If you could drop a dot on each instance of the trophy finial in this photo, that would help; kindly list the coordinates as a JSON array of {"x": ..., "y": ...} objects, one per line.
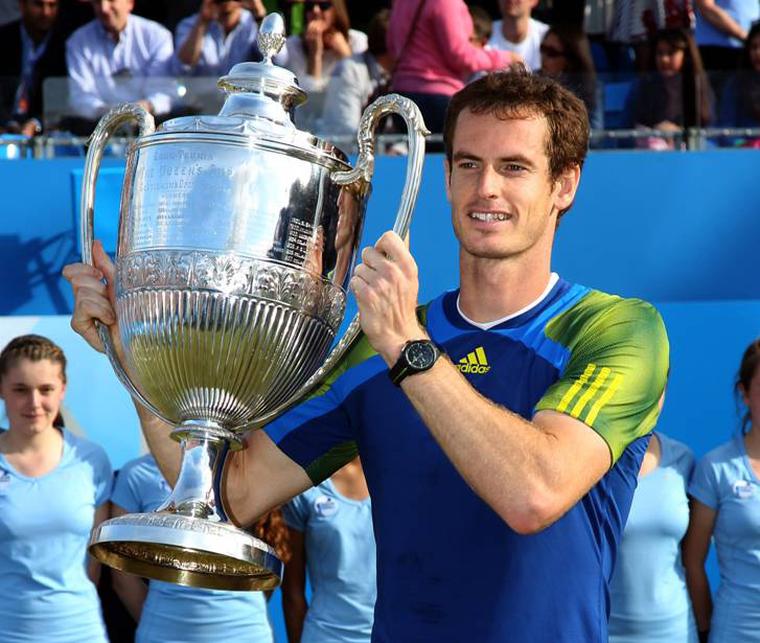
[{"x": 271, "y": 36}]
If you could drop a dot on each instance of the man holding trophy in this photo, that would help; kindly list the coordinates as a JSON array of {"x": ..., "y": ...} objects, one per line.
[{"x": 501, "y": 426}]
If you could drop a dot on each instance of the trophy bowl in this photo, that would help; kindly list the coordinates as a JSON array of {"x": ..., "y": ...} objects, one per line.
[{"x": 238, "y": 234}]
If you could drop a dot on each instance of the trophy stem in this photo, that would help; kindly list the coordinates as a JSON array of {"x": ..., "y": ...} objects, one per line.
[
  {"x": 189, "y": 540},
  {"x": 197, "y": 492}
]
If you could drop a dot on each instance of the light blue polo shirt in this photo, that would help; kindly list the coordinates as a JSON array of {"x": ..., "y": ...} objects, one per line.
[
  {"x": 176, "y": 614},
  {"x": 45, "y": 524},
  {"x": 724, "y": 481},
  {"x": 649, "y": 602},
  {"x": 340, "y": 561}
]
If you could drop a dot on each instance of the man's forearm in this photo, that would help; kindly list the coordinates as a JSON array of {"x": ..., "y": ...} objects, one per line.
[
  {"x": 191, "y": 48},
  {"x": 512, "y": 464},
  {"x": 722, "y": 20},
  {"x": 165, "y": 450}
]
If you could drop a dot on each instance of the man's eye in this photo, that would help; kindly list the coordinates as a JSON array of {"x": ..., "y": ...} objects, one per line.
[
  {"x": 514, "y": 167},
  {"x": 467, "y": 165}
]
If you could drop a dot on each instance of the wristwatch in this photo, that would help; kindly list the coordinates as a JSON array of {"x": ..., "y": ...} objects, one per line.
[{"x": 417, "y": 356}]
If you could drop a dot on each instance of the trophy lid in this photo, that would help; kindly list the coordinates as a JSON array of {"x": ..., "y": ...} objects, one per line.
[
  {"x": 261, "y": 99},
  {"x": 263, "y": 89}
]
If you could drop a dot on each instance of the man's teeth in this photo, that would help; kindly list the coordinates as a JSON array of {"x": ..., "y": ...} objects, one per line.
[{"x": 490, "y": 216}]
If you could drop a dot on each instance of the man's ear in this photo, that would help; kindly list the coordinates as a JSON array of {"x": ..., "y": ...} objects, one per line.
[
  {"x": 566, "y": 185},
  {"x": 447, "y": 178}
]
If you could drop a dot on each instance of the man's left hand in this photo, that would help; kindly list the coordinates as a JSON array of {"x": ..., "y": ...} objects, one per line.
[{"x": 386, "y": 286}]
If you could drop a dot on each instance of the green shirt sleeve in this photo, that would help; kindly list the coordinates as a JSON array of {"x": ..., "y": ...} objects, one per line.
[{"x": 617, "y": 369}]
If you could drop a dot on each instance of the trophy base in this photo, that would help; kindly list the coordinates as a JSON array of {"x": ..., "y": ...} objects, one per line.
[{"x": 187, "y": 551}]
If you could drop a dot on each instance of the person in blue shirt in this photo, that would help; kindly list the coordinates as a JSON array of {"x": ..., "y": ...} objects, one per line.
[
  {"x": 54, "y": 487},
  {"x": 725, "y": 493},
  {"x": 119, "y": 57},
  {"x": 219, "y": 36},
  {"x": 331, "y": 537},
  {"x": 169, "y": 613},
  {"x": 649, "y": 601},
  {"x": 501, "y": 426}
]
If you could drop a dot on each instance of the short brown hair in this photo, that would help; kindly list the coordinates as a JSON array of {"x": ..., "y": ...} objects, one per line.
[{"x": 517, "y": 93}]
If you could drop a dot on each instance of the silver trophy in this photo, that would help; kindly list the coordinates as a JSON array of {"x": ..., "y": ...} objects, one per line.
[{"x": 238, "y": 234}]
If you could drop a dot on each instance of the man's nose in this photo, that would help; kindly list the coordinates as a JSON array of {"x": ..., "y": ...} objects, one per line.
[{"x": 488, "y": 182}]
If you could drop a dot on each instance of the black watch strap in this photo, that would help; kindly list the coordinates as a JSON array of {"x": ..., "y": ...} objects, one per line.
[{"x": 409, "y": 362}]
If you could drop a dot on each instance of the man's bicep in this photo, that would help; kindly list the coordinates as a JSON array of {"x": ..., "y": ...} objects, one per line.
[
  {"x": 259, "y": 478},
  {"x": 581, "y": 457}
]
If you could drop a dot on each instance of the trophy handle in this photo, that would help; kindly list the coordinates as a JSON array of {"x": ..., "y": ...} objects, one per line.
[
  {"x": 106, "y": 127},
  {"x": 365, "y": 166}
]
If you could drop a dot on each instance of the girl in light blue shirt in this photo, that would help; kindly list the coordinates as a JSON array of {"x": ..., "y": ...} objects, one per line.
[
  {"x": 726, "y": 507},
  {"x": 170, "y": 613},
  {"x": 648, "y": 596},
  {"x": 332, "y": 539},
  {"x": 54, "y": 487}
]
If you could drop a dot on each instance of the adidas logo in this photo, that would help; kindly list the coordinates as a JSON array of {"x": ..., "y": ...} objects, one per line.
[{"x": 475, "y": 362}]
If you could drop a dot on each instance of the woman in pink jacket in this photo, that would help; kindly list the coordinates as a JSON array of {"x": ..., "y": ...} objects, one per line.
[{"x": 430, "y": 41}]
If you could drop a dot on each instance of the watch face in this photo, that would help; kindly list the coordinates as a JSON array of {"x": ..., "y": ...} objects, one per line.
[{"x": 420, "y": 354}]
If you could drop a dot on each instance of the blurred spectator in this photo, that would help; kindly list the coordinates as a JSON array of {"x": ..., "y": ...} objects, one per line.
[
  {"x": 633, "y": 23},
  {"x": 355, "y": 80},
  {"x": 9, "y": 11},
  {"x": 327, "y": 38},
  {"x": 219, "y": 36},
  {"x": 649, "y": 602},
  {"x": 482, "y": 26},
  {"x": 740, "y": 102},
  {"x": 677, "y": 93},
  {"x": 113, "y": 58},
  {"x": 431, "y": 43},
  {"x": 54, "y": 488},
  {"x": 722, "y": 26},
  {"x": 166, "y": 611},
  {"x": 31, "y": 50},
  {"x": 331, "y": 537},
  {"x": 168, "y": 12},
  {"x": 566, "y": 57},
  {"x": 725, "y": 491},
  {"x": 518, "y": 32}
]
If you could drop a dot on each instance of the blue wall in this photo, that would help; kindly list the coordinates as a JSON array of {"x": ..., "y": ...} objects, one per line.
[{"x": 678, "y": 229}]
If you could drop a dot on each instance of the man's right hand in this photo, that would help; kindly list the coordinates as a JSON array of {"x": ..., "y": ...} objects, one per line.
[
  {"x": 209, "y": 12},
  {"x": 94, "y": 298}
]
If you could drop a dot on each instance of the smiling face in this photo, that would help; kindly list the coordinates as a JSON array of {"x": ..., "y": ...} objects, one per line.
[
  {"x": 33, "y": 393},
  {"x": 113, "y": 14},
  {"x": 504, "y": 202},
  {"x": 668, "y": 59}
]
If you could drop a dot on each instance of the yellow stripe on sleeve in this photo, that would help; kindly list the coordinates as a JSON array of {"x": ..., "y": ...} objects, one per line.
[
  {"x": 614, "y": 386},
  {"x": 577, "y": 385},
  {"x": 590, "y": 392}
]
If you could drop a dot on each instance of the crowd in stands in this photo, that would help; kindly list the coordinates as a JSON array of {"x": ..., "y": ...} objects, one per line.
[{"x": 660, "y": 66}]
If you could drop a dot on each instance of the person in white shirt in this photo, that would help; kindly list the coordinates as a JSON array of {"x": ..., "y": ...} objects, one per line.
[
  {"x": 518, "y": 32},
  {"x": 117, "y": 58}
]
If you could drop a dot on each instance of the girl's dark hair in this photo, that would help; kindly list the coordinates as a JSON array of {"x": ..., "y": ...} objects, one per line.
[
  {"x": 695, "y": 84},
  {"x": 35, "y": 348},
  {"x": 271, "y": 528},
  {"x": 747, "y": 370},
  {"x": 754, "y": 30}
]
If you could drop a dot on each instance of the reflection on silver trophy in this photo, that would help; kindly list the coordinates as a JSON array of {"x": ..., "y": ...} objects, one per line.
[{"x": 237, "y": 237}]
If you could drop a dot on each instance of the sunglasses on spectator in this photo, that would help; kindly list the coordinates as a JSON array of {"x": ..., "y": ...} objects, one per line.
[
  {"x": 552, "y": 52},
  {"x": 323, "y": 6}
]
